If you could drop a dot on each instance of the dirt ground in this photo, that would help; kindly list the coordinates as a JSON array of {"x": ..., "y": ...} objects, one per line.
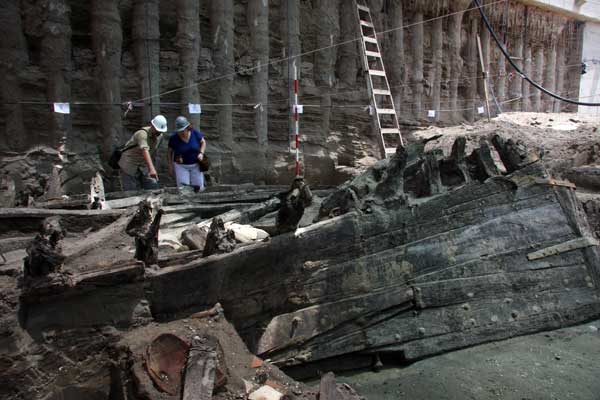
[
  {"x": 562, "y": 364},
  {"x": 564, "y": 140}
]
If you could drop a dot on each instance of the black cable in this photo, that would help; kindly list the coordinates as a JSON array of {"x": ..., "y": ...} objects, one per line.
[{"x": 519, "y": 71}]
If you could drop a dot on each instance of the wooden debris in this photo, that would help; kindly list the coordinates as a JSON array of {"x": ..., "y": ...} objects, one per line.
[
  {"x": 219, "y": 240},
  {"x": 54, "y": 186},
  {"x": 514, "y": 154},
  {"x": 247, "y": 215},
  {"x": 200, "y": 369},
  {"x": 146, "y": 245},
  {"x": 292, "y": 206},
  {"x": 431, "y": 172},
  {"x": 22, "y": 221},
  {"x": 7, "y": 191},
  {"x": 144, "y": 227},
  {"x": 457, "y": 162},
  {"x": 489, "y": 256},
  {"x": 487, "y": 165},
  {"x": 212, "y": 312},
  {"x": 570, "y": 245},
  {"x": 328, "y": 388},
  {"x": 44, "y": 254}
]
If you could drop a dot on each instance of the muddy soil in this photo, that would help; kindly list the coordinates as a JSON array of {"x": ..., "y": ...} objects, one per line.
[
  {"x": 564, "y": 141},
  {"x": 562, "y": 364}
]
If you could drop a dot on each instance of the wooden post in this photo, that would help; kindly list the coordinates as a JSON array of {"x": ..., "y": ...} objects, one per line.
[{"x": 485, "y": 87}]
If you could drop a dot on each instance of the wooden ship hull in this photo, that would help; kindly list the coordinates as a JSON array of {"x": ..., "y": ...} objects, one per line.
[{"x": 478, "y": 258}]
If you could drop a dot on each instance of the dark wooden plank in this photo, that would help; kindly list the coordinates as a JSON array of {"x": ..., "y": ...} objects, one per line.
[
  {"x": 328, "y": 387},
  {"x": 534, "y": 323},
  {"x": 9, "y": 213},
  {"x": 300, "y": 326},
  {"x": 577, "y": 218},
  {"x": 395, "y": 333},
  {"x": 200, "y": 369}
]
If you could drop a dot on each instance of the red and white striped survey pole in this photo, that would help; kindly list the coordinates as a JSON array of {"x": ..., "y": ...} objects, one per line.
[{"x": 296, "y": 120}]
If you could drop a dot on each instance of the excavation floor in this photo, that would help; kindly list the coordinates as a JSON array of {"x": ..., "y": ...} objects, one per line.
[{"x": 562, "y": 364}]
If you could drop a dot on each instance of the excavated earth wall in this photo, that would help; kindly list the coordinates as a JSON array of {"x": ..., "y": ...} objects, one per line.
[{"x": 111, "y": 52}]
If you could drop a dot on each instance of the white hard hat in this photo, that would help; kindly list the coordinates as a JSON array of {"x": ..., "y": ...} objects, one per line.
[{"x": 159, "y": 123}]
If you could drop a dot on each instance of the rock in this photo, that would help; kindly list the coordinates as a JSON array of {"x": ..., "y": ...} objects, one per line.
[
  {"x": 169, "y": 242},
  {"x": 194, "y": 238},
  {"x": 246, "y": 233},
  {"x": 265, "y": 393}
]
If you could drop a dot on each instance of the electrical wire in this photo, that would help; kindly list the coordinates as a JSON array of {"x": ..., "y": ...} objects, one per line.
[{"x": 519, "y": 71}]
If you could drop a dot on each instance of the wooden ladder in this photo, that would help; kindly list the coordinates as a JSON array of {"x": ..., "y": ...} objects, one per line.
[{"x": 382, "y": 102}]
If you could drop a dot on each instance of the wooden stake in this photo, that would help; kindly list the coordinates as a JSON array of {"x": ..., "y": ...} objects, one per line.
[{"x": 485, "y": 82}]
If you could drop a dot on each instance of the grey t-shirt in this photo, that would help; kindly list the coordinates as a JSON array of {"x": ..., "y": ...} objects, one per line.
[{"x": 133, "y": 159}]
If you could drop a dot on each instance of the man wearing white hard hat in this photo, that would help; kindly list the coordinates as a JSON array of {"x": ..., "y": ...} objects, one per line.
[{"x": 137, "y": 166}]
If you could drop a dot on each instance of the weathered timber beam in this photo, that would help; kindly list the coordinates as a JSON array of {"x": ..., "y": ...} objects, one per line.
[
  {"x": 298, "y": 327},
  {"x": 19, "y": 221},
  {"x": 290, "y": 32},
  {"x": 258, "y": 21},
  {"x": 55, "y": 58},
  {"x": 538, "y": 76},
  {"x": 328, "y": 32},
  {"x": 475, "y": 322},
  {"x": 251, "y": 214},
  {"x": 561, "y": 70},
  {"x": 200, "y": 369},
  {"x": 146, "y": 45},
  {"x": 13, "y": 58},
  {"x": 221, "y": 22},
  {"x": 188, "y": 43},
  {"x": 107, "y": 40},
  {"x": 526, "y": 86},
  {"x": 437, "y": 44},
  {"x": 348, "y": 53},
  {"x": 563, "y": 247},
  {"x": 418, "y": 56},
  {"x": 527, "y": 323}
]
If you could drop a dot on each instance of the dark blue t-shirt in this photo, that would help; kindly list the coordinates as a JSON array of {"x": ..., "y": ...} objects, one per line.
[{"x": 188, "y": 151}]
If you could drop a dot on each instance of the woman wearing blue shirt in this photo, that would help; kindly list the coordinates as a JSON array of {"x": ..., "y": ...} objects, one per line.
[{"x": 186, "y": 148}]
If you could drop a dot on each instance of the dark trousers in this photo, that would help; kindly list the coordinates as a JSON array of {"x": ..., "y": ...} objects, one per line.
[{"x": 141, "y": 181}]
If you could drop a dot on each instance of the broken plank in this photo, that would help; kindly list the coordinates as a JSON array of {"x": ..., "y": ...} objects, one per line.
[
  {"x": 248, "y": 215},
  {"x": 457, "y": 291},
  {"x": 300, "y": 326},
  {"x": 72, "y": 203},
  {"x": 564, "y": 247},
  {"x": 8, "y": 213},
  {"x": 200, "y": 369},
  {"x": 494, "y": 332},
  {"x": 22, "y": 221},
  {"x": 328, "y": 387},
  {"x": 396, "y": 332},
  {"x": 15, "y": 243}
]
